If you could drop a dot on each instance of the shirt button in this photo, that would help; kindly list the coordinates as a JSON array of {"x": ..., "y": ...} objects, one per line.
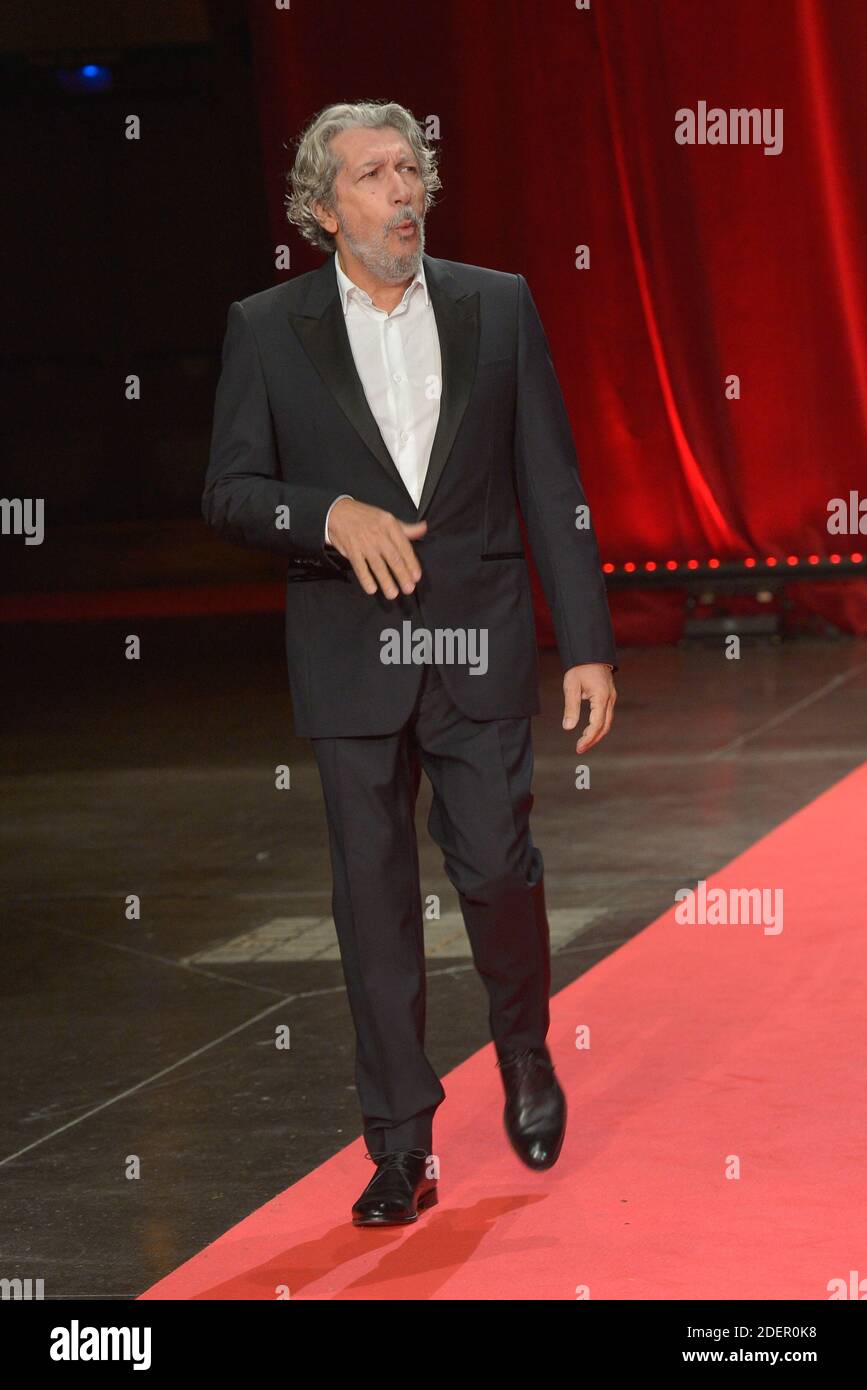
[
  {"x": 403, "y": 436},
  {"x": 397, "y": 376}
]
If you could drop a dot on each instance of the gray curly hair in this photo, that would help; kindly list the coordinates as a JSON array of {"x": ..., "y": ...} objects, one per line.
[{"x": 311, "y": 178}]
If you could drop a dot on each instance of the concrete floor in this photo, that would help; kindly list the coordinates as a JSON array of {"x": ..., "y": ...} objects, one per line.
[{"x": 152, "y": 1043}]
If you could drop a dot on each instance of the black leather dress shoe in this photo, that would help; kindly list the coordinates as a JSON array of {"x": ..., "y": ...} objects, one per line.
[
  {"x": 398, "y": 1190},
  {"x": 535, "y": 1113}
]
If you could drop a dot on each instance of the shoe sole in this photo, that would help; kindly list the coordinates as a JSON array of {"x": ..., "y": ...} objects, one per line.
[{"x": 430, "y": 1199}]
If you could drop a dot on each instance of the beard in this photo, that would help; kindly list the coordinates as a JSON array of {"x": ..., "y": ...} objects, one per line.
[{"x": 374, "y": 253}]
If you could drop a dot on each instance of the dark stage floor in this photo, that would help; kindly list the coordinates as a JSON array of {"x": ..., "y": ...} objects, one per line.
[{"x": 155, "y": 1040}]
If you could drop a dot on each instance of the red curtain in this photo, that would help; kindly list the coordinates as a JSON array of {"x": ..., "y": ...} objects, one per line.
[{"x": 706, "y": 261}]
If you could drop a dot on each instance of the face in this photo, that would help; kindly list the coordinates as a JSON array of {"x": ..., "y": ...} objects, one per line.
[{"x": 378, "y": 202}]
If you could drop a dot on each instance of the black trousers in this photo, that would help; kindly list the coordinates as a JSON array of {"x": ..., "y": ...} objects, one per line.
[{"x": 481, "y": 775}]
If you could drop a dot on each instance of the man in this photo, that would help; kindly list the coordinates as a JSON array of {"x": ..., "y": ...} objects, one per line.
[{"x": 379, "y": 422}]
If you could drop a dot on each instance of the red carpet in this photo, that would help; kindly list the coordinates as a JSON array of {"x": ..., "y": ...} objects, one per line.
[{"x": 707, "y": 1042}]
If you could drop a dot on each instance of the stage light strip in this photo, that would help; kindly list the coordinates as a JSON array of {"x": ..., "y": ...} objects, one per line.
[{"x": 749, "y": 562}]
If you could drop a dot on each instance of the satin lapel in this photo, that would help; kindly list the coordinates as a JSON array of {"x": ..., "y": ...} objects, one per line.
[
  {"x": 321, "y": 330},
  {"x": 457, "y": 317}
]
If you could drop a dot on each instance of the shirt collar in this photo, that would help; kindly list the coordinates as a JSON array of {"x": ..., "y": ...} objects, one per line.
[{"x": 346, "y": 286}]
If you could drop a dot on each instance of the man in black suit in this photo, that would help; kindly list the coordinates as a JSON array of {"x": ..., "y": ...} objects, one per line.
[{"x": 379, "y": 422}]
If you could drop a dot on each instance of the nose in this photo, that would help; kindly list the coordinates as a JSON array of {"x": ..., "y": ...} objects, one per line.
[{"x": 402, "y": 194}]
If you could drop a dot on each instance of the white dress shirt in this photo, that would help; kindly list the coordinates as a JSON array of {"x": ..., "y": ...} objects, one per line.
[{"x": 397, "y": 357}]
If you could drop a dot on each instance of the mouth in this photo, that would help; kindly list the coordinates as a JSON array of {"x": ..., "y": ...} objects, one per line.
[{"x": 408, "y": 226}]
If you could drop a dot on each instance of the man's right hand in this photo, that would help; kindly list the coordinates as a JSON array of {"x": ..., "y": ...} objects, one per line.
[{"x": 377, "y": 546}]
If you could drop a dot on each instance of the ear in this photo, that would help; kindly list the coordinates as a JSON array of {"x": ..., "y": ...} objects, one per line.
[{"x": 325, "y": 217}]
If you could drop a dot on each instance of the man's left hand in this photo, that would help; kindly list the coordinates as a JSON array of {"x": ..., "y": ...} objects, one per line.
[{"x": 594, "y": 681}]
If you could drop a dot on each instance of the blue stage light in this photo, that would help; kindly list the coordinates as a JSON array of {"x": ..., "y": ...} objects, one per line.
[{"x": 89, "y": 77}]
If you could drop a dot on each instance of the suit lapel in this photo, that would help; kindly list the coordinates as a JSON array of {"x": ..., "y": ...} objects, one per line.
[
  {"x": 457, "y": 316},
  {"x": 321, "y": 329}
]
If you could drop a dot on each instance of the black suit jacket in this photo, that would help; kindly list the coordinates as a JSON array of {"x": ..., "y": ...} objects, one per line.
[{"x": 292, "y": 428}]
